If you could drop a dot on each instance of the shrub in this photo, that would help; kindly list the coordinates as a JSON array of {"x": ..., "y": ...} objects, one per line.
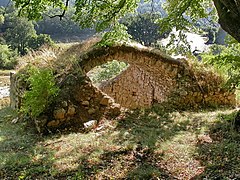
[
  {"x": 227, "y": 61},
  {"x": 41, "y": 94},
  {"x": 8, "y": 58},
  {"x": 37, "y": 41}
]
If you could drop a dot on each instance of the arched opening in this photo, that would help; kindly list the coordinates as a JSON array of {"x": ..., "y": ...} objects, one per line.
[
  {"x": 149, "y": 78},
  {"x": 106, "y": 72}
]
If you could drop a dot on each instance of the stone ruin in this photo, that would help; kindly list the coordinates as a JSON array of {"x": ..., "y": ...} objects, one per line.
[{"x": 152, "y": 78}]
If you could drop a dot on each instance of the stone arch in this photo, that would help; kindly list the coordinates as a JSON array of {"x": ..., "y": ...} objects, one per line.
[
  {"x": 140, "y": 56},
  {"x": 150, "y": 78},
  {"x": 153, "y": 77}
]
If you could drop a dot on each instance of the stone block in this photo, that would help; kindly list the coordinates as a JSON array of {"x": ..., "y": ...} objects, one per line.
[
  {"x": 105, "y": 101},
  {"x": 90, "y": 124},
  {"x": 71, "y": 110},
  {"x": 85, "y": 103},
  {"x": 59, "y": 113},
  {"x": 53, "y": 123},
  {"x": 91, "y": 111}
]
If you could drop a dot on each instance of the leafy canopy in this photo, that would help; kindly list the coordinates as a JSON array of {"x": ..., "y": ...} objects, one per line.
[
  {"x": 8, "y": 58},
  {"x": 182, "y": 14},
  {"x": 227, "y": 61},
  {"x": 19, "y": 34},
  {"x": 103, "y": 14},
  {"x": 96, "y": 13}
]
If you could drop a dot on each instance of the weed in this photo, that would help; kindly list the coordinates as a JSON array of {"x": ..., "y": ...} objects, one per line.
[{"x": 41, "y": 94}]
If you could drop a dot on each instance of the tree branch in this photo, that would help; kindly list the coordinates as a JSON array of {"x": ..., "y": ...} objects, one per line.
[
  {"x": 227, "y": 19},
  {"x": 23, "y": 6},
  {"x": 231, "y": 6},
  {"x": 63, "y": 13}
]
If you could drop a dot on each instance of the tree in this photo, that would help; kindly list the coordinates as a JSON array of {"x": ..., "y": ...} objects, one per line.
[
  {"x": 229, "y": 16},
  {"x": 8, "y": 58},
  {"x": 1, "y": 16},
  {"x": 102, "y": 14},
  {"x": 143, "y": 28},
  {"x": 19, "y": 34},
  {"x": 58, "y": 29},
  {"x": 38, "y": 40},
  {"x": 1, "y": 19},
  {"x": 228, "y": 13}
]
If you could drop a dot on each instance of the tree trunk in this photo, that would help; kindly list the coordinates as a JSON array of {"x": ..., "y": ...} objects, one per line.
[
  {"x": 237, "y": 121},
  {"x": 229, "y": 16}
]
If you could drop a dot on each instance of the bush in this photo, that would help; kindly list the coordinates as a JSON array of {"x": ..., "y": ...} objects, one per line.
[
  {"x": 227, "y": 61},
  {"x": 37, "y": 41},
  {"x": 41, "y": 94},
  {"x": 8, "y": 58}
]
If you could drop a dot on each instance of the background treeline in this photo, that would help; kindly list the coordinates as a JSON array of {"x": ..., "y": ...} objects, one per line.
[{"x": 18, "y": 35}]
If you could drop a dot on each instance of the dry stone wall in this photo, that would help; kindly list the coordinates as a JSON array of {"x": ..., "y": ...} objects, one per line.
[
  {"x": 78, "y": 101},
  {"x": 151, "y": 78},
  {"x": 138, "y": 88}
]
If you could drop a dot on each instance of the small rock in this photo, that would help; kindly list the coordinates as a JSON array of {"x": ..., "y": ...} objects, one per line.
[
  {"x": 53, "y": 123},
  {"x": 85, "y": 103},
  {"x": 71, "y": 110},
  {"x": 100, "y": 128},
  {"x": 91, "y": 111},
  {"x": 105, "y": 101},
  {"x": 116, "y": 109},
  {"x": 59, "y": 113},
  {"x": 64, "y": 104},
  {"x": 14, "y": 121},
  {"x": 90, "y": 124}
]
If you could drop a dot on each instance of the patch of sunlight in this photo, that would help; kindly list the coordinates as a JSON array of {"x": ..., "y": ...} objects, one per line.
[
  {"x": 180, "y": 140},
  {"x": 178, "y": 155},
  {"x": 137, "y": 45},
  {"x": 70, "y": 150},
  {"x": 2, "y": 138},
  {"x": 68, "y": 163}
]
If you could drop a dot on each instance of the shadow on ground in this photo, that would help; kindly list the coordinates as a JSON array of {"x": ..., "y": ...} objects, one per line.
[
  {"x": 145, "y": 144},
  {"x": 221, "y": 157},
  {"x": 18, "y": 149}
]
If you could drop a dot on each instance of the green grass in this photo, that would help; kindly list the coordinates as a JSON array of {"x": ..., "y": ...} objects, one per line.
[{"x": 143, "y": 144}]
